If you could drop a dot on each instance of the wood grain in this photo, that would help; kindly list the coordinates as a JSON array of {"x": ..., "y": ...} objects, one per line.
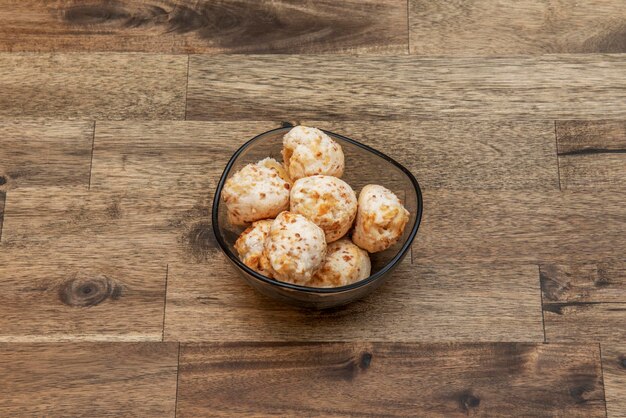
[
  {"x": 420, "y": 303},
  {"x": 530, "y": 226},
  {"x": 44, "y": 153},
  {"x": 93, "y": 86},
  {"x": 70, "y": 293},
  {"x": 167, "y": 156},
  {"x": 59, "y": 243},
  {"x": 88, "y": 379},
  {"x": 614, "y": 370},
  {"x": 592, "y": 154},
  {"x": 527, "y": 27},
  {"x": 110, "y": 226},
  {"x": 390, "y": 379},
  {"x": 464, "y": 154},
  {"x": 584, "y": 302},
  {"x": 184, "y": 26},
  {"x": 247, "y": 88}
]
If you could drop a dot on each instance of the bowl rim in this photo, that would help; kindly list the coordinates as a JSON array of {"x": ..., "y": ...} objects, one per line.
[{"x": 380, "y": 273}]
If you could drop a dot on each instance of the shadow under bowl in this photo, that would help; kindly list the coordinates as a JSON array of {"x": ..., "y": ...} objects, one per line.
[{"x": 363, "y": 165}]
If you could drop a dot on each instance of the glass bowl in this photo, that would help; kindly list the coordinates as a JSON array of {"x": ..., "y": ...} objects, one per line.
[{"x": 363, "y": 165}]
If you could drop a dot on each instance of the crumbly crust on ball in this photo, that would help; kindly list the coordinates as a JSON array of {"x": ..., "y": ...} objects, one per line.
[
  {"x": 380, "y": 219},
  {"x": 327, "y": 201},
  {"x": 345, "y": 264},
  {"x": 257, "y": 191},
  {"x": 250, "y": 246},
  {"x": 295, "y": 248},
  {"x": 309, "y": 151}
]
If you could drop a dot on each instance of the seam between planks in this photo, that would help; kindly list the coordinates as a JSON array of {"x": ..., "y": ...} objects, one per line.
[
  {"x": 93, "y": 144},
  {"x": 543, "y": 320},
  {"x": 177, "y": 378},
  {"x": 558, "y": 163},
  {"x": 3, "y": 214},
  {"x": 606, "y": 409},
  {"x": 167, "y": 272},
  {"x": 408, "y": 28}
]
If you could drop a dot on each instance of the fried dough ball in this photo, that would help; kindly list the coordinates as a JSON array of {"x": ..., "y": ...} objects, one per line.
[
  {"x": 295, "y": 248},
  {"x": 327, "y": 201},
  {"x": 250, "y": 245},
  {"x": 309, "y": 151},
  {"x": 380, "y": 219},
  {"x": 345, "y": 263},
  {"x": 257, "y": 191}
]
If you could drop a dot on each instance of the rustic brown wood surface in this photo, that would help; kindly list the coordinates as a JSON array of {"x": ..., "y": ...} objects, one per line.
[
  {"x": 591, "y": 154},
  {"x": 93, "y": 86},
  {"x": 115, "y": 299},
  {"x": 584, "y": 302},
  {"x": 401, "y": 87},
  {"x": 88, "y": 379},
  {"x": 395, "y": 379},
  {"x": 514, "y": 27},
  {"x": 614, "y": 370},
  {"x": 66, "y": 146},
  {"x": 518, "y": 226},
  {"x": 438, "y": 309},
  {"x": 206, "y": 26}
]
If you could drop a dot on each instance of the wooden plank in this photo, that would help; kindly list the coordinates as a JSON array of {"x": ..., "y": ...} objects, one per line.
[
  {"x": 390, "y": 379},
  {"x": 69, "y": 293},
  {"x": 510, "y": 27},
  {"x": 93, "y": 86},
  {"x": 184, "y": 26},
  {"x": 584, "y": 302},
  {"x": 486, "y": 225},
  {"x": 530, "y": 227},
  {"x": 592, "y": 154},
  {"x": 464, "y": 154},
  {"x": 127, "y": 226},
  {"x": 91, "y": 379},
  {"x": 59, "y": 242},
  {"x": 45, "y": 153},
  {"x": 420, "y": 303},
  {"x": 248, "y": 88},
  {"x": 169, "y": 156},
  {"x": 614, "y": 369}
]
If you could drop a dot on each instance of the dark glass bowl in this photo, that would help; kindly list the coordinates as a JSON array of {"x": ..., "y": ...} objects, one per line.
[{"x": 364, "y": 165}]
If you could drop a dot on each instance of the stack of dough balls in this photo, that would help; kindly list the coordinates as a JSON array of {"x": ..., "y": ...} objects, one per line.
[{"x": 301, "y": 212}]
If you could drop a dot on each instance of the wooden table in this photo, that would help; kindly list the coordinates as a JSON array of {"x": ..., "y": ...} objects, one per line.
[{"x": 117, "y": 118}]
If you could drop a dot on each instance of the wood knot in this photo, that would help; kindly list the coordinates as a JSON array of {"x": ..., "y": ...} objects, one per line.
[
  {"x": 551, "y": 287},
  {"x": 366, "y": 360},
  {"x": 199, "y": 240},
  {"x": 468, "y": 401},
  {"x": 3, "y": 180},
  {"x": 113, "y": 210},
  {"x": 355, "y": 365},
  {"x": 578, "y": 392},
  {"x": 622, "y": 362},
  {"x": 91, "y": 291}
]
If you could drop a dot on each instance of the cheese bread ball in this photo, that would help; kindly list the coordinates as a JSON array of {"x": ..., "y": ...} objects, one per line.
[
  {"x": 309, "y": 151},
  {"x": 380, "y": 219},
  {"x": 327, "y": 201},
  {"x": 345, "y": 264},
  {"x": 295, "y": 248},
  {"x": 250, "y": 245},
  {"x": 257, "y": 191}
]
